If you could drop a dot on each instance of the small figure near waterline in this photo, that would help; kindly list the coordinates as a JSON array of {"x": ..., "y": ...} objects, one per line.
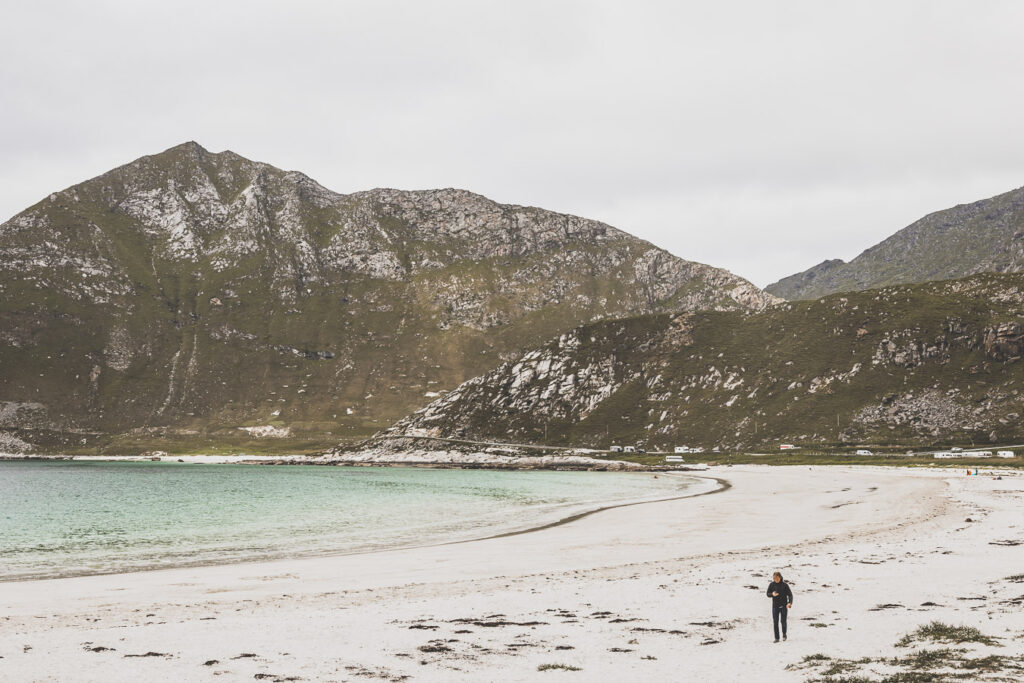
[{"x": 782, "y": 600}]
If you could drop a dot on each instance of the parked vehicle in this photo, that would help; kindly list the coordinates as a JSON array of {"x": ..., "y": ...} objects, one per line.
[
  {"x": 864, "y": 451},
  {"x": 1004, "y": 454}
]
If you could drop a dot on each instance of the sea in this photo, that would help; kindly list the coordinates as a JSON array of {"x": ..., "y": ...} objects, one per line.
[{"x": 70, "y": 518}]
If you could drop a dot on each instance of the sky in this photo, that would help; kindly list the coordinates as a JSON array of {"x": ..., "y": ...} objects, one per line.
[{"x": 761, "y": 137}]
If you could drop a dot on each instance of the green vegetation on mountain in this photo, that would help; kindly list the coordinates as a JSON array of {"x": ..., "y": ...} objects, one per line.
[
  {"x": 912, "y": 365},
  {"x": 188, "y": 295},
  {"x": 985, "y": 236}
]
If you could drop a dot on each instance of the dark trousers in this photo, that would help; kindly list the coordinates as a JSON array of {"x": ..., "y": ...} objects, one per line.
[{"x": 777, "y": 613}]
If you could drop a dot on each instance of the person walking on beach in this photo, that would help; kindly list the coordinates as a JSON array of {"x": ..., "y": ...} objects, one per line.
[{"x": 782, "y": 600}]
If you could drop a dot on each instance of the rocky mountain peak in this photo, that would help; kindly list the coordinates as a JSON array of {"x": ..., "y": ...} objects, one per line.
[{"x": 211, "y": 289}]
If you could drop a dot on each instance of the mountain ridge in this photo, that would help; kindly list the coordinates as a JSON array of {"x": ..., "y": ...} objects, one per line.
[
  {"x": 205, "y": 293},
  {"x": 981, "y": 236}
]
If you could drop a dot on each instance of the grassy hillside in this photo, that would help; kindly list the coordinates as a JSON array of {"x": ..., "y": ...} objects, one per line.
[{"x": 905, "y": 366}]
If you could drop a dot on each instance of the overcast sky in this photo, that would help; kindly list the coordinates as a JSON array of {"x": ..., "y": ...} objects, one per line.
[{"x": 762, "y": 137}]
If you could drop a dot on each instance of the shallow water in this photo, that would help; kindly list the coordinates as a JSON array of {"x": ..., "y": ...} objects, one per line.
[{"x": 61, "y": 518}]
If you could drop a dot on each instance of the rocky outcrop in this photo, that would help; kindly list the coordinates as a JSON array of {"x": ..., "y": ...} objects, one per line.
[
  {"x": 12, "y": 445},
  {"x": 555, "y": 382},
  {"x": 1001, "y": 342},
  {"x": 1004, "y": 342},
  {"x": 414, "y": 453},
  {"x": 930, "y": 413}
]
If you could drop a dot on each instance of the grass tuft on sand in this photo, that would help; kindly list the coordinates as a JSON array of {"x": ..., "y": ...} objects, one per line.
[
  {"x": 558, "y": 667},
  {"x": 922, "y": 665},
  {"x": 937, "y": 631}
]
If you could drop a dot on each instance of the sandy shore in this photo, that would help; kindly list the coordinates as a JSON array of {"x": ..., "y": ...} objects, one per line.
[{"x": 661, "y": 591}]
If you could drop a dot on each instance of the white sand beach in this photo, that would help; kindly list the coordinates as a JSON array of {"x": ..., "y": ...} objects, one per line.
[{"x": 669, "y": 591}]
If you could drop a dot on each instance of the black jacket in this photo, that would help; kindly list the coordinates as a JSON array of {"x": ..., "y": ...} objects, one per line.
[{"x": 784, "y": 597}]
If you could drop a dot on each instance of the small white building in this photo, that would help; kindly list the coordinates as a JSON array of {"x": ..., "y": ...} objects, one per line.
[{"x": 1004, "y": 454}]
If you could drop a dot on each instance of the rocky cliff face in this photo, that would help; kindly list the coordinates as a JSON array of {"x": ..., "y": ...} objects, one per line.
[
  {"x": 204, "y": 292},
  {"x": 986, "y": 236},
  {"x": 915, "y": 364}
]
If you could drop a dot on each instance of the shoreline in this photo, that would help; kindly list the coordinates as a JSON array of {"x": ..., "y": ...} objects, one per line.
[
  {"x": 569, "y": 463},
  {"x": 666, "y": 590},
  {"x": 722, "y": 485}
]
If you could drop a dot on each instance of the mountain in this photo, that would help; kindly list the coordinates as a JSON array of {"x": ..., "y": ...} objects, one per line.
[
  {"x": 200, "y": 297},
  {"x": 983, "y": 237},
  {"x": 913, "y": 364}
]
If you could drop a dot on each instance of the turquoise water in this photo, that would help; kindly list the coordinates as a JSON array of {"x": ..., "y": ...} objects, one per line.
[{"x": 62, "y": 518}]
